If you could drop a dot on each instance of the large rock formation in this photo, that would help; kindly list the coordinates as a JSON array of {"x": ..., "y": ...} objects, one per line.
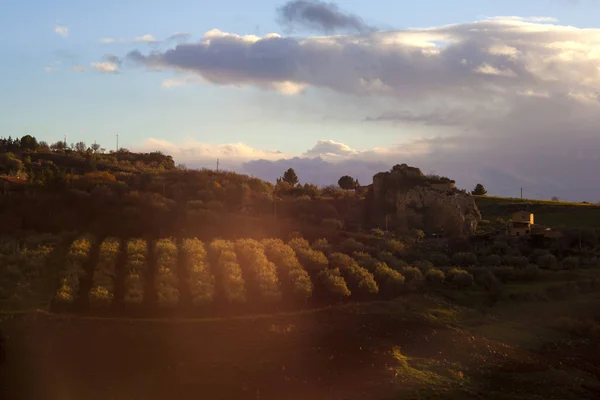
[{"x": 407, "y": 199}]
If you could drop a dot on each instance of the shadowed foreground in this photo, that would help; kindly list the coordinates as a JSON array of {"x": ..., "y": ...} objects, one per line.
[{"x": 370, "y": 351}]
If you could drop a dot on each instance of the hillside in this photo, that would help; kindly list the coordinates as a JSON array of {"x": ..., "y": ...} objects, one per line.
[
  {"x": 123, "y": 265},
  {"x": 553, "y": 214}
]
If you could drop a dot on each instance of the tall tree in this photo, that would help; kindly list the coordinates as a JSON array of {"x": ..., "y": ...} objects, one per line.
[
  {"x": 58, "y": 146},
  {"x": 479, "y": 190},
  {"x": 347, "y": 182},
  {"x": 28, "y": 142},
  {"x": 80, "y": 147},
  {"x": 290, "y": 177}
]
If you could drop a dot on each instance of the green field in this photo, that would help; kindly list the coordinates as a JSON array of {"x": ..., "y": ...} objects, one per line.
[{"x": 553, "y": 214}]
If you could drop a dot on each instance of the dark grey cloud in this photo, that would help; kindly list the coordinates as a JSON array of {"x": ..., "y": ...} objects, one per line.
[
  {"x": 111, "y": 58},
  {"x": 442, "y": 117},
  {"x": 320, "y": 16},
  {"x": 179, "y": 37}
]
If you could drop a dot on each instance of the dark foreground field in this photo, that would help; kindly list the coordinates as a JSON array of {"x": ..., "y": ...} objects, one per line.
[{"x": 417, "y": 347}]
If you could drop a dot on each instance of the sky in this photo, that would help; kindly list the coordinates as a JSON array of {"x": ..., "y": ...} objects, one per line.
[{"x": 499, "y": 92}]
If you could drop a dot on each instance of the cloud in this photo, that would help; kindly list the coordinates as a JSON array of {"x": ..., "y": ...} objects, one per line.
[
  {"x": 61, "y": 30},
  {"x": 110, "y": 64},
  {"x": 147, "y": 38},
  {"x": 110, "y": 40},
  {"x": 179, "y": 37},
  {"x": 320, "y": 16},
  {"x": 203, "y": 154},
  {"x": 79, "y": 68},
  {"x": 470, "y": 61},
  {"x": 168, "y": 83},
  {"x": 517, "y": 18},
  {"x": 50, "y": 69},
  {"x": 514, "y": 101},
  {"x": 104, "y": 66},
  {"x": 330, "y": 149}
]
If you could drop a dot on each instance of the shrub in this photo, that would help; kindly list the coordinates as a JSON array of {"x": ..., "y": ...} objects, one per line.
[
  {"x": 201, "y": 281},
  {"x": 516, "y": 261},
  {"x": 434, "y": 276},
  {"x": 393, "y": 246},
  {"x": 21, "y": 266},
  {"x": 464, "y": 259},
  {"x": 505, "y": 274},
  {"x": 528, "y": 273},
  {"x": 312, "y": 260},
  {"x": 590, "y": 262},
  {"x": 547, "y": 261},
  {"x": 500, "y": 247},
  {"x": 412, "y": 274},
  {"x": 290, "y": 269},
  {"x": 299, "y": 242},
  {"x": 390, "y": 281},
  {"x": 493, "y": 260},
  {"x": 351, "y": 245},
  {"x": 439, "y": 259},
  {"x": 417, "y": 234},
  {"x": 234, "y": 289},
  {"x": 365, "y": 260},
  {"x": 333, "y": 283},
  {"x": 167, "y": 290},
  {"x": 332, "y": 224},
  {"x": 103, "y": 284},
  {"x": 571, "y": 262},
  {"x": 487, "y": 280},
  {"x": 322, "y": 245},
  {"x": 135, "y": 267},
  {"x": 536, "y": 253},
  {"x": 360, "y": 281},
  {"x": 76, "y": 260},
  {"x": 460, "y": 278},
  {"x": 378, "y": 232},
  {"x": 263, "y": 272},
  {"x": 423, "y": 265},
  {"x": 391, "y": 260}
]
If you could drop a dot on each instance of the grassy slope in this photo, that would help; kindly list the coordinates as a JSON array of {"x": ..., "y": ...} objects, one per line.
[
  {"x": 553, "y": 214},
  {"x": 416, "y": 347}
]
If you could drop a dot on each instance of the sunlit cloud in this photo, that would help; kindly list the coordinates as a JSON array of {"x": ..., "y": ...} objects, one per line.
[
  {"x": 147, "y": 38},
  {"x": 61, "y": 30}
]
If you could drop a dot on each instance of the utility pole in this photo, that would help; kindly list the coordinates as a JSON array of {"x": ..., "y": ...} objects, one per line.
[
  {"x": 217, "y": 165},
  {"x": 521, "y": 193},
  {"x": 117, "y": 143}
]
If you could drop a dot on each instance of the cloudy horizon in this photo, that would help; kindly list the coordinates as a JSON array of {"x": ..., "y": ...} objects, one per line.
[{"x": 509, "y": 101}]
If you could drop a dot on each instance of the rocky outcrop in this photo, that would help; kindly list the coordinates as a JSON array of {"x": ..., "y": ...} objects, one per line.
[{"x": 411, "y": 200}]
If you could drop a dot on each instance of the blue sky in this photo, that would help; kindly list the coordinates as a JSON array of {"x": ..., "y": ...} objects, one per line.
[{"x": 45, "y": 96}]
